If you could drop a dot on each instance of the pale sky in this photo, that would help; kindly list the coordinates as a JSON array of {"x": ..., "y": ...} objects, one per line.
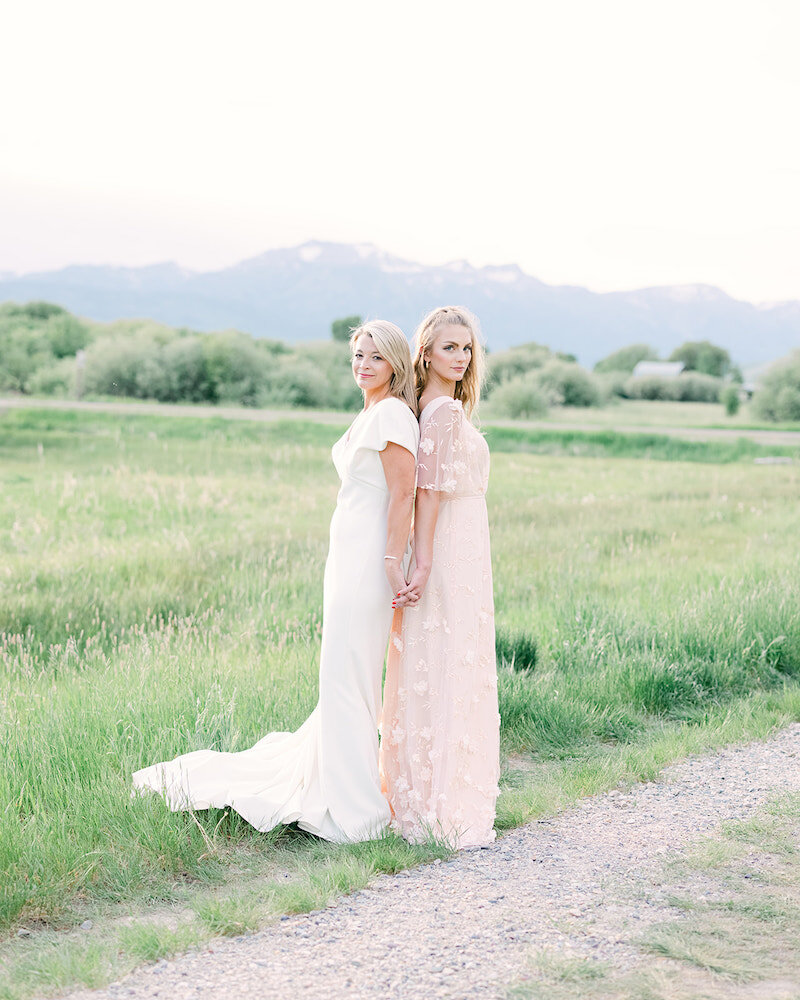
[{"x": 606, "y": 143}]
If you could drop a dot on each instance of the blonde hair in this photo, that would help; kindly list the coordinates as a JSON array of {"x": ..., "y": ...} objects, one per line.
[
  {"x": 393, "y": 346},
  {"x": 468, "y": 390}
]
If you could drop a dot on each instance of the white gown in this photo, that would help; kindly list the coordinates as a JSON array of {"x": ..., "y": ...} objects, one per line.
[{"x": 324, "y": 776}]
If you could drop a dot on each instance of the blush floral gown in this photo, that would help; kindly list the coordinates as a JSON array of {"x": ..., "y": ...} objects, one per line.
[
  {"x": 440, "y": 733},
  {"x": 324, "y": 776}
]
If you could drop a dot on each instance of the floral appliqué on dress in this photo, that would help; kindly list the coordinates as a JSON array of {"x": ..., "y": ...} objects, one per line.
[{"x": 440, "y": 733}]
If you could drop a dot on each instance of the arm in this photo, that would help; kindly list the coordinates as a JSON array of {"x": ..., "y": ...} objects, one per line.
[
  {"x": 399, "y": 467},
  {"x": 426, "y": 515},
  {"x": 437, "y": 474}
]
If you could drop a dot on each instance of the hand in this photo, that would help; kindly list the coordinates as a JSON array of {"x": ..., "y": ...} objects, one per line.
[
  {"x": 410, "y": 594},
  {"x": 396, "y": 578}
]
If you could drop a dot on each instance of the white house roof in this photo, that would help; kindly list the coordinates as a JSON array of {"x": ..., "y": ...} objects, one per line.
[{"x": 665, "y": 369}]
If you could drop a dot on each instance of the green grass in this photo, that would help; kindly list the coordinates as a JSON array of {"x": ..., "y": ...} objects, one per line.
[
  {"x": 655, "y": 413},
  {"x": 161, "y": 590},
  {"x": 638, "y": 413},
  {"x": 148, "y": 942},
  {"x": 228, "y": 917},
  {"x": 537, "y": 785},
  {"x": 607, "y": 443},
  {"x": 54, "y": 966},
  {"x": 551, "y": 976}
]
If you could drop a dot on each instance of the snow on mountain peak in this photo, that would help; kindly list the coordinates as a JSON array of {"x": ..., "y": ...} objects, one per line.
[
  {"x": 366, "y": 250},
  {"x": 504, "y": 275},
  {"x": 458, "y": 266},
  {"x": 309, "y": 251},
  {"x": 692, "y": 293}
]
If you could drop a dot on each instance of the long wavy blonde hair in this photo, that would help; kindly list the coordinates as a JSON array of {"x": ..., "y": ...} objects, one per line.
[
  {"x": 393, "y": 346},
  {"x": 468, "y": 390}
]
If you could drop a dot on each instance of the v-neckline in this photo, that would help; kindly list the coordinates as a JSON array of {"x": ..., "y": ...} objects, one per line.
[
  {"x": 358, "y": 416},
  {"x": 350, "y": 428}
]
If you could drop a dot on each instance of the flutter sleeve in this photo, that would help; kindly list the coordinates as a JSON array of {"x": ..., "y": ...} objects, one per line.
[
  {"x": 441, "y": 465},
  {"x": 392, "y": 421}
]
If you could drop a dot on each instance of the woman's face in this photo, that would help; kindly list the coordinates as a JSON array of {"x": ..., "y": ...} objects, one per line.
[
  {"x": 372, "y": 373},
  {"x": 450, "y": 354}
]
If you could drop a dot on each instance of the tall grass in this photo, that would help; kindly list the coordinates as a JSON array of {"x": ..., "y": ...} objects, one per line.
[
  {"x": 610, "y": 443},
  {"x": 651, "y": 413},
  {"x": 160, "y": 591}
]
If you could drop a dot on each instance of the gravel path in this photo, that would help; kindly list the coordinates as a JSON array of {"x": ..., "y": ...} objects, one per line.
[{"x": 581, "y": 883}]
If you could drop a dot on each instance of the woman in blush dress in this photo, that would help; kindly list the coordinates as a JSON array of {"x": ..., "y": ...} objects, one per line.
[
  {"x": 440, "y": 734},
  {"x": 325, "y": 776}
]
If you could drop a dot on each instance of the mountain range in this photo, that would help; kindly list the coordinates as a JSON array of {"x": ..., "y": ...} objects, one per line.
[{"x": 293, "y": 294}]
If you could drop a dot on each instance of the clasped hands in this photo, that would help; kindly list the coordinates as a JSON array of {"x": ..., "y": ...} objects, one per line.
[{"x": 407, "y": 592}]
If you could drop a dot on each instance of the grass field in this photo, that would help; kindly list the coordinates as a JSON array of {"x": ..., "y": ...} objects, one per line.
[
  {"x": 647, "y": 413},
  {"x": 161, "y": 590},
  {"x": 652, "y": 413}
]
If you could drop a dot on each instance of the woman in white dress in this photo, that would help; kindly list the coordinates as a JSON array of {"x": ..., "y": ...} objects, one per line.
[{"x": 324, "y": 777}]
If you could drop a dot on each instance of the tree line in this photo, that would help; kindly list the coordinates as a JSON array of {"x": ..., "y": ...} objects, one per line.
[{"x": 45, "y": 350}]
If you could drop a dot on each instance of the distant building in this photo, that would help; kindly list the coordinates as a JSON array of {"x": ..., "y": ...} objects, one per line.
[
  {"x": 663, "y": 369},
  {"x": 752, "y": 375},
  {"x": 746, "y": 390}
]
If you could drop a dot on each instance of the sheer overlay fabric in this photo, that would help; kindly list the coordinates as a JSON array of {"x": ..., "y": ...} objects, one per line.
[{"x": 440, "y": 728}]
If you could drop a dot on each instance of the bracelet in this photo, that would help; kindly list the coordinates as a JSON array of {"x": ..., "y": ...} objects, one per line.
[{"x": 392, "y": 557}]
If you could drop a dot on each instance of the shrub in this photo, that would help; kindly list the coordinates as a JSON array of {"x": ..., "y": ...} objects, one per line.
[
  {"x": 694, "y": 387},
  {"x": 515, "y": 361},
  {"x": 32, "y": 310},
  {"x": 647, "y": 387},
  {"x": 237, "y": 370},
  {"x": 342, "y": 328},
  {"x": 23, "y": 350},
  {"x": 549, "y": 382},
  {"x": 296, "y": 382},
  {"x": 335, "y": 361},
  {"x": 141, "y": 329},
  {"x": 520, "y": 397},
  {"x": 568, "y": 384},
  {"x": 271, "y": 348},
  {"x": 703, "y": 356},
  {"x": 626, "y": 358},
  {"x": 57, "y": 379},
  {"x": 153, "y": 379},
  {"x": 185, "y": 362},
  {"x": 730, "y": 400},
  {"x": 147, "y": 366},
  {"x": 114, "y": 364},
  {"x": 33, "y": 337},
  {"x": 687, "y": 387},
  {"x": 314, "y": 375},
  {"x": 778, "y": 397},
  {"x": 66, "y": 334},
  {"x": 611, "y": 383}
]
